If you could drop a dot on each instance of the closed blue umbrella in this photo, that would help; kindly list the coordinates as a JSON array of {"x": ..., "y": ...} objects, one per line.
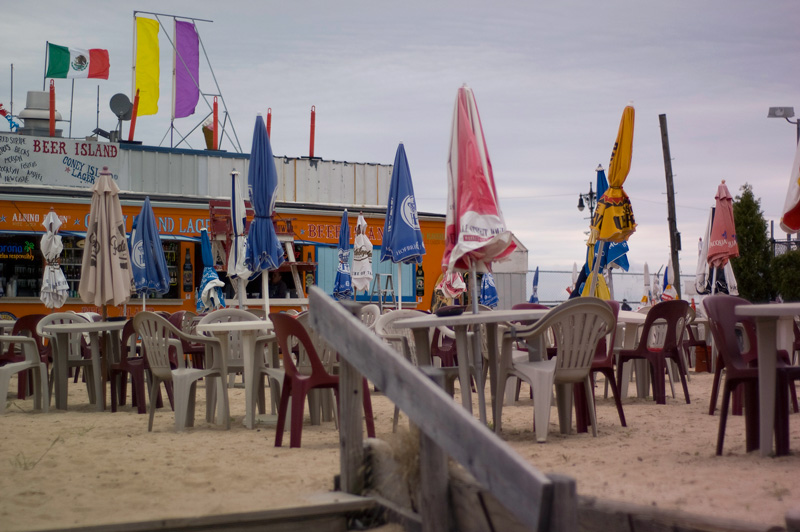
[
  {"x": 402, "y": 237},
  {"x": 210, "y": 295},
  {"x": 535, "y": 293},
  {"x": 342, "y": 286},
  {"x": 264, "y": 251},
  {"x": 488, "y": 295},
  {"x": 148, "y": 263}
]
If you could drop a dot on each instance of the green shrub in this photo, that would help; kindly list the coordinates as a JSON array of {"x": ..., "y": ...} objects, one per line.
[{"x": 786, "y": 275}]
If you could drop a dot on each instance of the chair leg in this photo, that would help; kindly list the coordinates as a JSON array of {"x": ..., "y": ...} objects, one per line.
[
  {"x": 712, "y": 404},
  {"x": 587, "y": 383},
  {"x": 5, "y": 381},
  {"x": 298, "y": 410},
  {"x": 564, "y": 394},
  {"x": 153, "y": 394},
  {"x": 612, "y": 381},
  {"x": 286, "y": 391},
  {"x": 368, "y": 416},
  {"x": 751, "y": 415},
  {"x": 683, "y": 375},
  {"x": 723, "y": 417},
  {"x": 542, "y": 397},
  {"x": 502, "y": 381}
]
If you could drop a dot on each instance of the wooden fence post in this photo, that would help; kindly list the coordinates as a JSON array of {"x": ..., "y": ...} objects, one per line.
[
  {"x": 564, "y": 507},
  {"x": 433, "y": 474}
]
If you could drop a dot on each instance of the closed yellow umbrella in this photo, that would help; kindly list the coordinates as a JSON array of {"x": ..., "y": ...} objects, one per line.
[{"x": 613, "y": 220}]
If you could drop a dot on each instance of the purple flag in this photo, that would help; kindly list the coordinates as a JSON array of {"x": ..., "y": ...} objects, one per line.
[{"x": 187, "y": 69}]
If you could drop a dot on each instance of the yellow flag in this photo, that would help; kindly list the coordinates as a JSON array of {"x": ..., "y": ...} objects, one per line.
[{"x": 147, "y": 68}]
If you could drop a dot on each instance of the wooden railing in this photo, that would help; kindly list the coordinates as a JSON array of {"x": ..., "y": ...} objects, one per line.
[{"x": 538, "y": 502}]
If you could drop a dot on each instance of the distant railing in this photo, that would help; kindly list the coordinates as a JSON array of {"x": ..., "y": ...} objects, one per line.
[{"x": 539, "y": 502}]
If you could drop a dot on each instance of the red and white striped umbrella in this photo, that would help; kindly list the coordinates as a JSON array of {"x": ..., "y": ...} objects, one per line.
[
  {"x": 475, "y": 231},
  {"x": 722, "y": 245}
]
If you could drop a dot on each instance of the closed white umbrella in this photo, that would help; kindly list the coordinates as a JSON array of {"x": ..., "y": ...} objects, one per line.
[
  {"x": 106, "y": 275},
  {"x": 55, "y": 288}
]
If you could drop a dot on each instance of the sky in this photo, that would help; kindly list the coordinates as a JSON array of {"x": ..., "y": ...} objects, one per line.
[{"x": 551, "y": 80}]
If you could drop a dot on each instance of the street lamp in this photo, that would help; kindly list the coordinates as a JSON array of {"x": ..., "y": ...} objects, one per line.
[
  {"x": 787, "y": 113},
  {"x": 589, "y": 199}
]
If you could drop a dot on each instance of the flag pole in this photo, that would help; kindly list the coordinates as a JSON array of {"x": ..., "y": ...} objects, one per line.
[
  {"x": 71, "y": 99},
  {"x": 44, "y": 77}
]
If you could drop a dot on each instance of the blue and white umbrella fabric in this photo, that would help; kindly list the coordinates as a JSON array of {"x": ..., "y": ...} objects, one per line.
[
  {"x": 488, "y": 295},
  {"x": 148, "y": 263},
  {"x": 615, "y": 254},
  {"x": 342, "y": 286},
  {"x": 209, "y": 296},
  {"x": 402, "y": 237},
  {"x": 264, "y": 251},
  {"x": 535, "y": 293}
]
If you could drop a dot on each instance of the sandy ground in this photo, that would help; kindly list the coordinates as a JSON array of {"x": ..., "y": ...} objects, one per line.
[{"x": 81, "y": 467}]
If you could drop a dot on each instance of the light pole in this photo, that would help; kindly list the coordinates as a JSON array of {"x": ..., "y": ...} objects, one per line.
[
  {"x": 787, "y": 113},
  {"x": 589, "y": 199}
]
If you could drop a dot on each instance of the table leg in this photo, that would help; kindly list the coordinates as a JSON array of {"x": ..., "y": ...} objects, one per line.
[
  {"x": 462, "y": 346},
  {"x": 629, "y": 343},
  {"x": 97, "y": 370},
  {"x": 477, "y": 363},
  {"x": 422, "y": 345},
  {"x": 767, "y": 355},
  {"x": 60, "y": 369},
  {"x": 249, "y": 340},
  {"x": 491, "y": 339}
]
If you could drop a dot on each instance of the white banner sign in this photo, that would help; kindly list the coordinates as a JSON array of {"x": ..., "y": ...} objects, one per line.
[{"x": 27, "y": 160}]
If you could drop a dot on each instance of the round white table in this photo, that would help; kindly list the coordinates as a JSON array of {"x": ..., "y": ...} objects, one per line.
[{"x": 250, "y": 331}]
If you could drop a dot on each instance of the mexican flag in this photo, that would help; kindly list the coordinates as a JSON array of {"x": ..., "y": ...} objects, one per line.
[{"x": 76, "y": 63}]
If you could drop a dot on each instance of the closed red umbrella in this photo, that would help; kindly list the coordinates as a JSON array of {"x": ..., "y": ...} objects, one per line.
[
  {"x": 475, "y": 232},
  {"x": 723, "y": 246}
]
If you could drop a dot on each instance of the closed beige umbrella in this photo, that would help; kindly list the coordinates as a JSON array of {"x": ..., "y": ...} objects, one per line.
[{"x": 106, "y": 276}]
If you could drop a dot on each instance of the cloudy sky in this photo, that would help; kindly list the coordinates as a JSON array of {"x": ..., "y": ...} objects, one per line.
[{"x": 551, "y": 80}]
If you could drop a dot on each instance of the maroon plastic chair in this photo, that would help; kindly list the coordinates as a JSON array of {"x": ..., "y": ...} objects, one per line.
[
  {"x": 128, "y": 365},
  {"x": 26, "y": 326},
  {"x": 182, "y": 320},
  {"x": 721, "y": 311},
  {"x": 297, "y": 385},
  {"x": 675, "y": 314},
  {"x": 603, "y": 363}
]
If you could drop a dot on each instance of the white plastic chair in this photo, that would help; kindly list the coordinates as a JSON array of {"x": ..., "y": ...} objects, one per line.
[
  {"x": 32, "y": 361},
  {"x": 400, "y": 338},
  {"x": 158, "y": 335},
  {"x": 577, "y": 326},
  {"x": 369, "y": 314}
]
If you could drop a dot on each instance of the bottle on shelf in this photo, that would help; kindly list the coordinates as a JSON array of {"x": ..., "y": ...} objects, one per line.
[
  {"x": 187, "y": 273},
  {"x": 420, "y": 281}
]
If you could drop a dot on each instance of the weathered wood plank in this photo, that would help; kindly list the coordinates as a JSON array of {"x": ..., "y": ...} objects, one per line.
[
  {"x": 564, "y": 516},
  {"x": 523, "y": 489},
  {"x": 351, "y": 437},
  {"x": 319, "y": 518},
  {"x": 435, "y": 508}
]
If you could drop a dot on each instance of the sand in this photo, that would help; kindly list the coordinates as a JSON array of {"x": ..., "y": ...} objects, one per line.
[{"x": 82, "y": 467}]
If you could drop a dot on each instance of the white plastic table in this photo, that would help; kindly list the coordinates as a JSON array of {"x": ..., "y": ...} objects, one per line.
[
  {"x": 62, "y": 331},
  {"x": 491, "y": 319},
  {"x": 250, "y": 330},
  {"x": 774, "y": 329}
]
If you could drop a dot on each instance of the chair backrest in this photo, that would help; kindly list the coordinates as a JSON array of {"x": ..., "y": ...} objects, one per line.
[
  {"x": 722, "y": 320},
  {"x": 156, "y": 333},
  {"x": 128, "y": 341},
  {"x": 577, "y": 326},
  {"x": 91, "y": 316},
  {"x": 325, "y": 351},
  {"x": 26, "y": 326},
  {"x": 235, "y": 354},
  {"x": 671, "y": 315},
  {"x": 289, "y": 331},
  {"x": 76, "y": 341},
  {"x": 183, "y": 320},
  {"x": 257, "y": 312},
  {"x": 369, "y": 314},
  {"x": 606, "y": 350},
  {"x": 386, "y": 329}
]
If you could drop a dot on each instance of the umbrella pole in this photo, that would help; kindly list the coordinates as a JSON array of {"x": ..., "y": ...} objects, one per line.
[
  {"x": 596, "y": 269},
  {"x": 477, "y": 351},
  {"x": 714, "y": 280},
  {"x": 265, "y": 290},
  {"x": 399, "y": 288},
  {"x": 240, "y": 293},
  {"x": 144, "y": 301}
]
